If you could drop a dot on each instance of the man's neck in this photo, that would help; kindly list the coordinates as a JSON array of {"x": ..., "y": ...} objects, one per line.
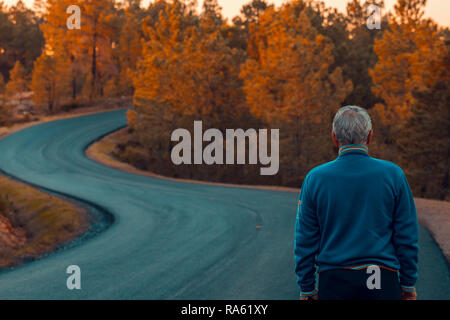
[{"x": 353, "y": 147}]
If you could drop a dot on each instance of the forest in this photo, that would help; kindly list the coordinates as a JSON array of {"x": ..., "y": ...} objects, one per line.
[{"x": 289, "y": 68}]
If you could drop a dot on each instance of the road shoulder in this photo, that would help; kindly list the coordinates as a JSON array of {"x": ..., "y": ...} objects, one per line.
[{"x": 34, "y": 223}]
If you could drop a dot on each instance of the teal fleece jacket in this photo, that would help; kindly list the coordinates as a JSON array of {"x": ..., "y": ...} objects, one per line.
[{"x": 353, "y": 212}]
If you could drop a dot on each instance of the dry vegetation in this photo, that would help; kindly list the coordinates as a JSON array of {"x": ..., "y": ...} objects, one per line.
[
  {"x": 33, "y": 223},
  {"x": 106, "y": 151}
]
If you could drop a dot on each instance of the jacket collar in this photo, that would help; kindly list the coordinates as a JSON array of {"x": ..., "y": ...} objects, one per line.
[{"x": 353, "y": 148}]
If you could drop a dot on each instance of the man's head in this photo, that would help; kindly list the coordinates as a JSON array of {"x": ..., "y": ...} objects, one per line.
[{"x": 351, "y": 125}]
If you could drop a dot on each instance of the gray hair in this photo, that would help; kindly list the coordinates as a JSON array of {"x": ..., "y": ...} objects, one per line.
[{"x": 352, "y": 125}]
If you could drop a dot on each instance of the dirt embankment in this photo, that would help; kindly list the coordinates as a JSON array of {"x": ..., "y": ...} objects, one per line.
[
  {"x": 433, "y": 214},
  {"x": 33, "y": 223},
  {"x": 10, "y": 237}
]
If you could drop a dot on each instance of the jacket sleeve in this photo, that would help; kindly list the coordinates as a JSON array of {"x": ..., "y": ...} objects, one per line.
[
  {"x": 405, "y": 234},
  {"x": 306, "y": 245}
]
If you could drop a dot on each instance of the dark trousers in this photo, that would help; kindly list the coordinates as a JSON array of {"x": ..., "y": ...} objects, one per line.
[{"x": 346, "y": 284}]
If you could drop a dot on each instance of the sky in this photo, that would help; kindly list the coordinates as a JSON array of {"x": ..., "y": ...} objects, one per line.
[{"x": 438, "y": 10}]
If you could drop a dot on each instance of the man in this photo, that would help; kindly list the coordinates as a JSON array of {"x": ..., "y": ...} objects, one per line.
[{"x": 356, "y": 220}]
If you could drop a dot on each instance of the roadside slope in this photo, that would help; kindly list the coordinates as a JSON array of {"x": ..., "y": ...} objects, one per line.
[{"x": 33, "y": 223}]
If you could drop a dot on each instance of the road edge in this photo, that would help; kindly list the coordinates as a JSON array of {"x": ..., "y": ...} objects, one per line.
[{"x": 93, "y": 153}]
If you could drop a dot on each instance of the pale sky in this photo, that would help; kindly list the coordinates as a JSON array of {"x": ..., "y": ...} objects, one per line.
[{"x": 439, "y": 10}]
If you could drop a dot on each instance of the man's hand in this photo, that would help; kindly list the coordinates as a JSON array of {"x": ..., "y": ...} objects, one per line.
[
  {"x": 314, "y": 297},
  {"x": 409, "y": 295}
]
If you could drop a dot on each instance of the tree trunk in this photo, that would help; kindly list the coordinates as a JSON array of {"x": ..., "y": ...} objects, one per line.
[
  {"x": 74, "y": 79},
  {"x": 74, "y": 88},
  {"x": 445, "y": 178},
  {"x": 94, "y": 60}
]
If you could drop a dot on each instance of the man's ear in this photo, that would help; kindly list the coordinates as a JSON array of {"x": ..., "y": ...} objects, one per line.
[
  {"x": 335, "y": 140},
  {"x": 369, "y": 137}
]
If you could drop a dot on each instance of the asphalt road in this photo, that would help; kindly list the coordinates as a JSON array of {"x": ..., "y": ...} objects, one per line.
[{"x": 169, "y": 240}]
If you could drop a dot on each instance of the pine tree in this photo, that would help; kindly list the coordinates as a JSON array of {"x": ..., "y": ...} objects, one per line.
[
  {"x": 6, "y": 34},
  {"x": 5, "y": 115},
  {"x": 289, "y": 84},
  {"x": 130, "y": 48},
  {"x": 62, "y": 42},
  {"x": 425, "y": 140},
  {"x": 17, "y": 83},
  {"x": 50, "y": 80},
  {"x": 187, "y": 72},
  {"x": 4, "y": 112},
  {"x": 407, "y": 57},
  {"x": 96, "y": 43},
  {"x": 157, "y": 93},
  {"x": 357, "y": 56},
  {"x": 88, "y": 49},
  {"x": 26, "y": 40},
  {"x": 2, "y": 86}
]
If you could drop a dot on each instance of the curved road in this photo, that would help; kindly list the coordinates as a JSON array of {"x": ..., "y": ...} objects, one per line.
[{"x": 170, "y": 240}]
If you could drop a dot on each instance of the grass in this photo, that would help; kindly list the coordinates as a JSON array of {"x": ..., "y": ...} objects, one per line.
[{"x": 48, "y": 221}]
